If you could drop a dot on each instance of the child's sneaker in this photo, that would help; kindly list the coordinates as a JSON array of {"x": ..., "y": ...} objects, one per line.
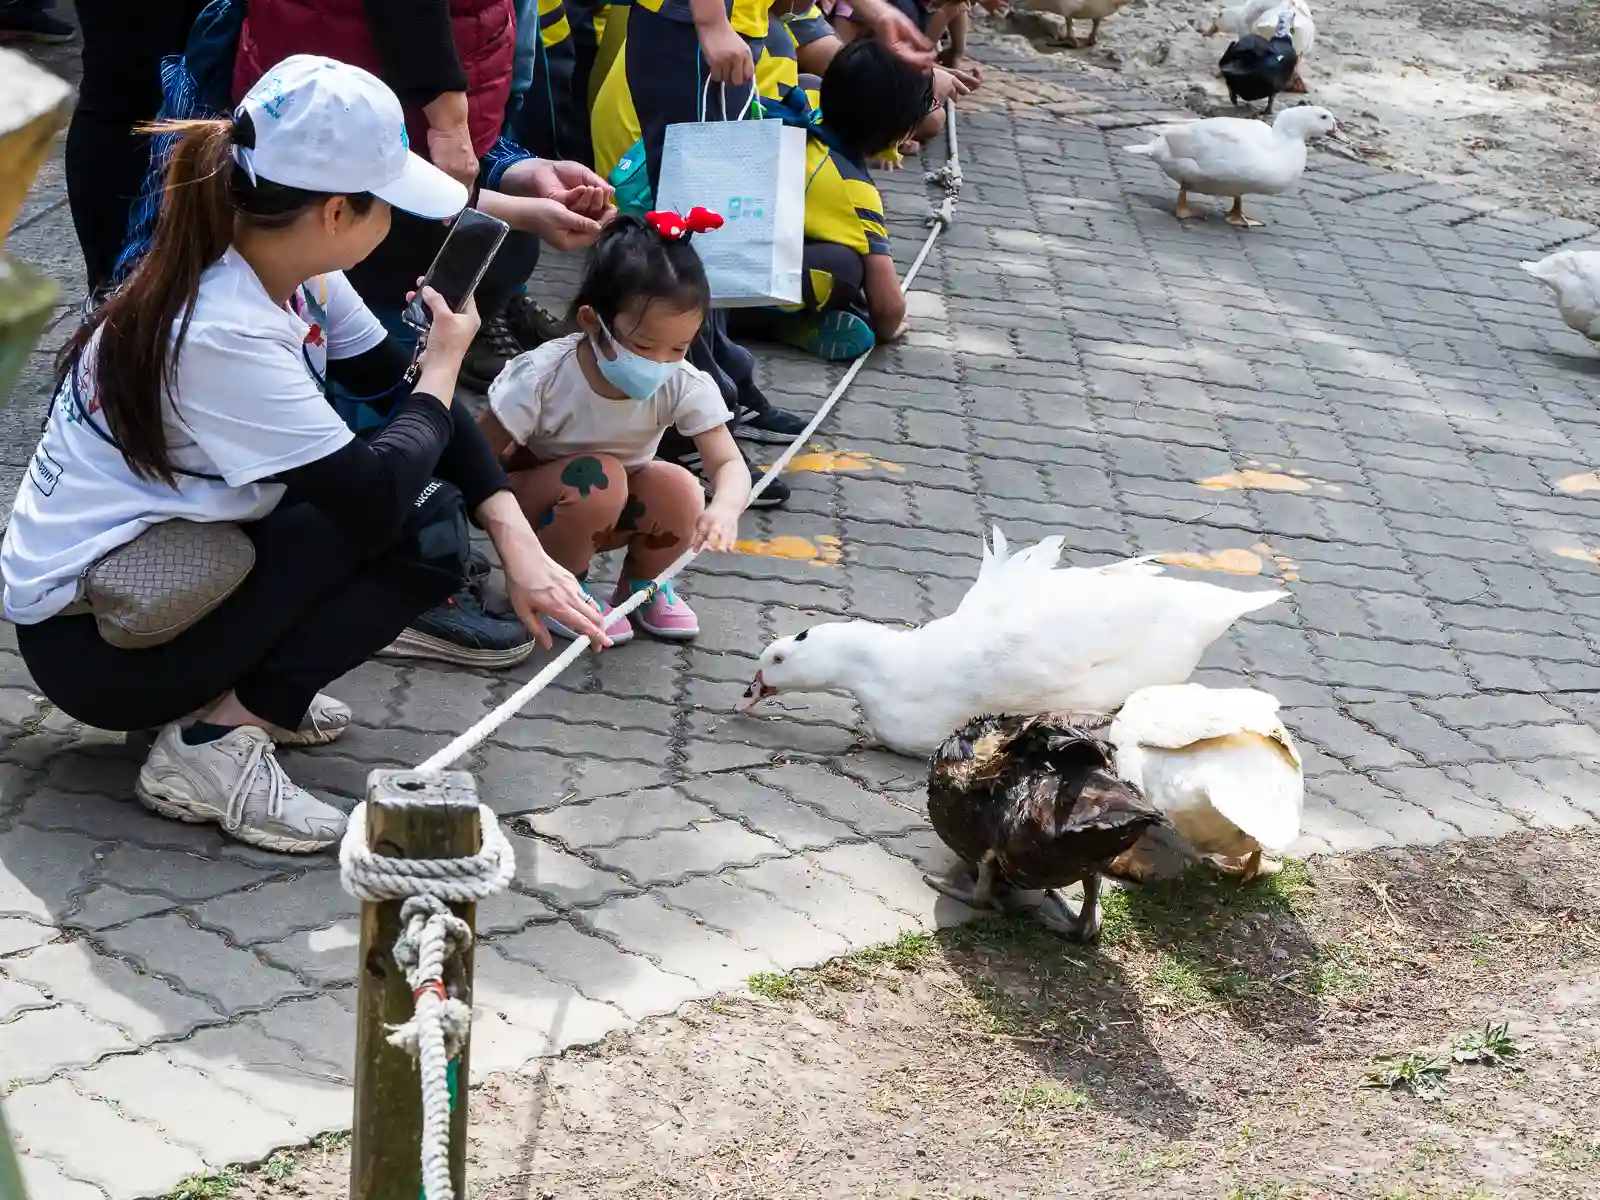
[
  {"x": 837, "y": 336},
  {"x": 665, "y": 615},
  {"x": 617, "y": 628}
]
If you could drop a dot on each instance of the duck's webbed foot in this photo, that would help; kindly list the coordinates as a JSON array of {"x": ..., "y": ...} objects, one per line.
[
  {"x": 1245, "y": 868},
  {"x": 972, "y": 887},
  {"x": 1056, "y": 915},
  {"x": 1238, "y": 220}
]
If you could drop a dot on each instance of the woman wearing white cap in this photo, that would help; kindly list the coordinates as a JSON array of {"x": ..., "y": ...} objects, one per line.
[{"x": 193, "y": 395}]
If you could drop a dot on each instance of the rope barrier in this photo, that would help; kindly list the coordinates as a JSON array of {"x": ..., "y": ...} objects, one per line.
[{"x": 949, "y": 177}]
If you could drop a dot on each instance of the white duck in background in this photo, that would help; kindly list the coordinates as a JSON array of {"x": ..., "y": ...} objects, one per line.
[
  {"x": 1261, "y": 17},
  {"x": 1219, "y": 765},
  {"x": 1574, "y": 276},
  {"x": 1231, "y": 156},
  {"x": 1027, "y": 638},
  {"x": 1093, "y": 11}
]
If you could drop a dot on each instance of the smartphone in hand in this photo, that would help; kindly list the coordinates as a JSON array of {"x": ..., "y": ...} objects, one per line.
[{"x": 459, "y": 266}]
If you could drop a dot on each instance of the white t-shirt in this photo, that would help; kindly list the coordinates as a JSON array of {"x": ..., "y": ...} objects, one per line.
[
  {"x": 247, "y": 403},
  {"x": 544, "y": 401}
]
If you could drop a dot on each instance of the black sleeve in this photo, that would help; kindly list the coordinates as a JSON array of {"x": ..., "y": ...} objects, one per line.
[
  {"x": 416, "y": 49},
  {"x": 468, "y": 462},
  {"x": 375, "y": 376},
  {"x": 369, "y": 487}
]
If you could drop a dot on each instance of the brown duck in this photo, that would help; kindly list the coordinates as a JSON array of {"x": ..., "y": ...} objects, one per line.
[{"x": 1033, "y": 804}]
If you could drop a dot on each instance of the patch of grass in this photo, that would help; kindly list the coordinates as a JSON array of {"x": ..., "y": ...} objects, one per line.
[
  {"x": 279, "y": 1168},
  {"x": 1338, "y": 970},
  {"x": 1259, "y": 1191},
  {"x": 774, "y": 986},
  {"x": 1180, "y": 980},
  {"x": 1571, "y": 1151},
  {"x": 1419, "y": 1072},
  {"x": 1046, "y": 1096},
  {"x": 332, "y": 1143},
  {"x": 213, "y": 1185},
  {"x": 1492, "y": 1046},
  {"x": 906, "y": 952},
  {"x": 1005, "y": 934}
]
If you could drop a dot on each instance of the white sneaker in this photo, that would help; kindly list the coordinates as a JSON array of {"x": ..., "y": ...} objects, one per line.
[
  {"x": 325, "y": 721},
  {"x": 236, "y": 781}
]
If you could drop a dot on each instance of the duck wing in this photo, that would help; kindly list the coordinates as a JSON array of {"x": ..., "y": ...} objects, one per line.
[
  {"x": 1223, "y": 747},
  {"x": 1083, "y": 640},
  {"x": 965, "y": 787}
]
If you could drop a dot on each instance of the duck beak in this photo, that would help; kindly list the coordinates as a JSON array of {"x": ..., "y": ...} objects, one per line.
[
  {"x": 755, "y": 694},
  {"x": 1338, "y": 134}
]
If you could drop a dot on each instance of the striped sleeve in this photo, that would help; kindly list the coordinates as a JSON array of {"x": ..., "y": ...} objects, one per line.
[
  {"x": 499, "y": 158},
  {"x": 869, "y": 211}
]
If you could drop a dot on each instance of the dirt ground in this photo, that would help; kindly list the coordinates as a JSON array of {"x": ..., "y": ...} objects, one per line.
[
  {"x": 1501, "y": 98},
  {"x": 1219, "y": 1042}
]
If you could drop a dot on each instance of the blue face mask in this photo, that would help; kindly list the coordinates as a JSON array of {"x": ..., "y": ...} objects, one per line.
[{"x": 633, "y": 374}]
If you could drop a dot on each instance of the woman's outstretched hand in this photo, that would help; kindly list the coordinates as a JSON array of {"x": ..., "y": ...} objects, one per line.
[{"x": 538, "y": 587}]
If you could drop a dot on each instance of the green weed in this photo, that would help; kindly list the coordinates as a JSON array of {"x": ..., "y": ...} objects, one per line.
[
  {"x": 1419, "y": 1072},
  {"x": 1493, "y": 1046},
  {"x": 774, "y": 986},
  {"x": 213, "y": 1185}
]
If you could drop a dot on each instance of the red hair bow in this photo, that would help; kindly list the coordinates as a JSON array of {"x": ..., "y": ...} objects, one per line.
[{"x": 675, "y": 228}]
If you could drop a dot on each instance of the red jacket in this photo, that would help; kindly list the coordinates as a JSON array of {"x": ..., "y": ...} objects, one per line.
[{"x": 485, "y": 43}]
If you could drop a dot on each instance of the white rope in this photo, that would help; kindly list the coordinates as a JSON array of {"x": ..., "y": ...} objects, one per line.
[
  {"x": 430, "y": 936},
  {"x": 939, "y": 220}
]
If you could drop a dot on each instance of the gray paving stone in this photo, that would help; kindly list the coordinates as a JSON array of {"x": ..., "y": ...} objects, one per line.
[
  {"x": 561, "y": 878},
  {"x": 681, "y": 944},
  {"x": 613, "y": 818},
  {"x": 44, "y": 1178},
  {"x": 17, "y": 998},
  {"x": 180, "y": 874},
  {"x": 756, "y": 920},
  {"x": 896, "y": 882},
  {"x": 271, "y": 912},
  {"x": 842, "y": 799},
  {"x": 201, "y": 963},
  {"x": 521, "y": 1013},
  {"x": 1519, "y": 794},
  {"x": 190, "y": 1109},
  {"x": 17, "y": 934},
  {"x": 599, "y": 970},
  {"x": 144, "y": 1007},
  {"x": 674, "y": 854},
  {"x": 313, "y": 1096},
  {"x": 127, "y": 1160},
  {"x": 827, "y": 899},
  {"x": 767, "y": 811}
]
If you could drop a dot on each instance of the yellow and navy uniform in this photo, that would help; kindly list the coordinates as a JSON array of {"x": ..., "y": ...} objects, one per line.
[
  {"x": 748, "y": 17},
  {"x": 842, "y": 203},
  {"x": 614, "y": 118},
  {"x": 809, "y": 26}
]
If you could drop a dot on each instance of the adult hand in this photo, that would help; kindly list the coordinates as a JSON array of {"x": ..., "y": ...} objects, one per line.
[
  {"x": 449, "y": 139},
  {"x": 727, "y": 55},
  {"x": 555, "y": 224},
  {"x": 570, "y": 184},
  {"x": 538, "y": 586},
  {"x": 451, "y": 332},
  {"x": 898, "y": 33}
]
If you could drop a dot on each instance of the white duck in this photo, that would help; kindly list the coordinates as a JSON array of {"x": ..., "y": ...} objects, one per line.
[
  {"x": 1574, "y": 276},
  {"x": 1027, "y": 638},
  {"x": 1231, "y": 156},
  {"x": 1262, "y": 17},
  {"x": 1219, "y": 765}
]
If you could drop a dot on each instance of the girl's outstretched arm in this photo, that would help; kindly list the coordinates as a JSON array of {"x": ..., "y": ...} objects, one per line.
[{"x": 718, "y": 527}]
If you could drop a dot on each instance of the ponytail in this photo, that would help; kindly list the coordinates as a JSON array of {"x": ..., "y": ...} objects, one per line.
[{"x": 204, "y": 196}]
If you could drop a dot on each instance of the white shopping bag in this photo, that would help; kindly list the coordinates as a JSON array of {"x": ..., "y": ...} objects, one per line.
[{"x": 753, "y": 174}]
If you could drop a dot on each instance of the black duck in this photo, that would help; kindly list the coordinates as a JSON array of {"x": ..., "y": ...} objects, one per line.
[{"x": 1033, "y": 804}]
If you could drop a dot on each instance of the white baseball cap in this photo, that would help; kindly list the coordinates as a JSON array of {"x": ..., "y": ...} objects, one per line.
[{"x": 325, "y": 126}]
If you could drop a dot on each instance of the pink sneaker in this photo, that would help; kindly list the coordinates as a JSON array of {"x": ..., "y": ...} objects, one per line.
[
  {"x": 617, "y": 628},
  {"x": 664, "y": 615}
]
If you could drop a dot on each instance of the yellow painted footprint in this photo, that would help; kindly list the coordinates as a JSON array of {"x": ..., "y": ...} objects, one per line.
[
  {"x": 1266, "y": 477},
  {"x": 1581, "y": 554},
  {"x": 1576, "y": 485},
  {"x": 820, "y": 461},
  {"x": 822, "y": 551},
  {"x": 1236, "y": 560}
]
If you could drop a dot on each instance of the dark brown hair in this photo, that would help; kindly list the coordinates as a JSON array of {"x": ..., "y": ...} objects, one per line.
[{"x": 204, "y": 197}]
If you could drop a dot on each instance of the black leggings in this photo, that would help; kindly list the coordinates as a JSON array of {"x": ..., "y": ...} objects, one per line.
[
  {"x": 124, "y": 42},
  {"x": 315, "y": 606}
]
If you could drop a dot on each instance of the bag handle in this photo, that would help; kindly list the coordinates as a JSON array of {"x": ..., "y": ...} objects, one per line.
[{"x": 705, "y": 100}]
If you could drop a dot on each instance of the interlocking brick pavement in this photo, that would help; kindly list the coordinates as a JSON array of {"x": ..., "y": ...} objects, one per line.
[{"x": 1080, "y": 362}]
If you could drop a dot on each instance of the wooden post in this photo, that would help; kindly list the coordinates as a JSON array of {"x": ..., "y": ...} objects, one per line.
[{"x": 386, "y": 1152}]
